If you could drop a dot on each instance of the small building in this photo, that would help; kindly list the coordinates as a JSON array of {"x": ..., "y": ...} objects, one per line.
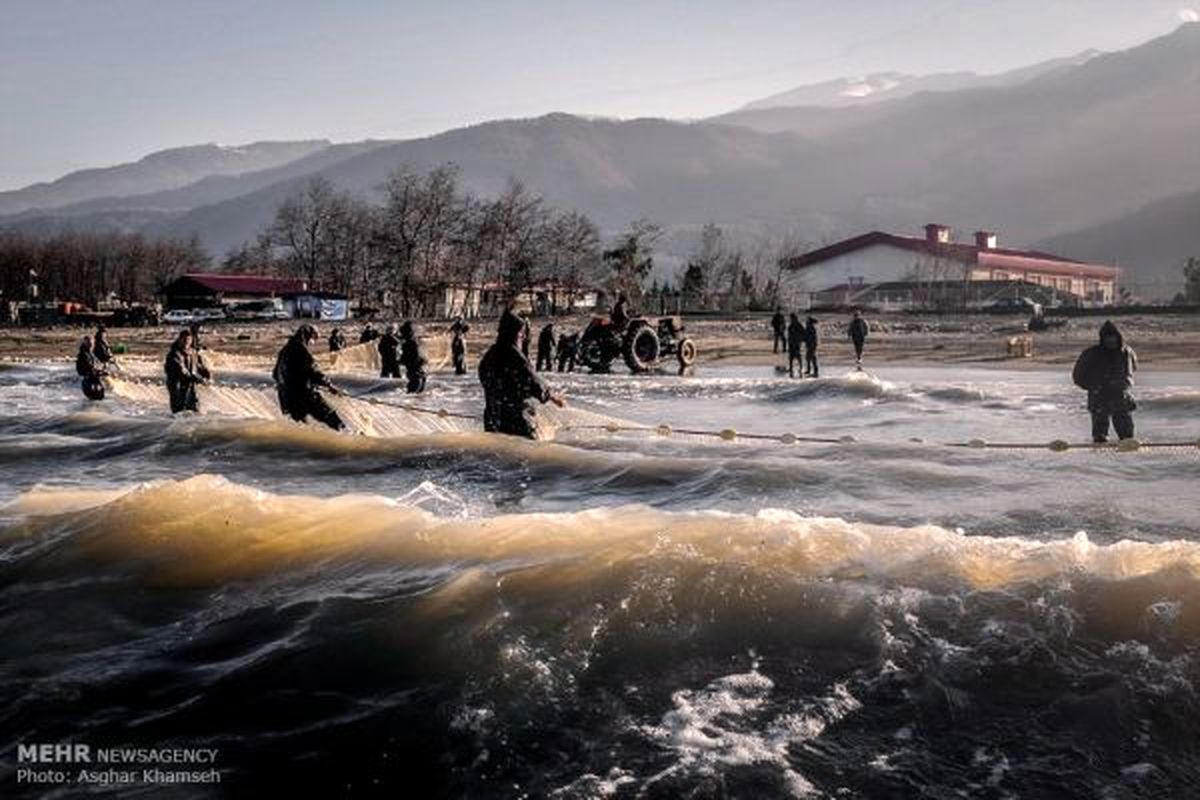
[
  {"x": 318, "y": 305},
  {"x": 459, "y": 298},
  {"x": 877, "y": 257},
  {"x": 213, "y": 290}
]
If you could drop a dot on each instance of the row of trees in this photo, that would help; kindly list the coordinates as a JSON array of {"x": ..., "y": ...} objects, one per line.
[
  {"x": 428, "y": 231},
  {"x": 92, "y": 267}
]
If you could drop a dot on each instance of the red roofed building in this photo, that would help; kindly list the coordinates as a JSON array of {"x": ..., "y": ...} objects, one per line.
[
  {"x": 878, "y": 257},
  {"x": 210, "y": 289}
]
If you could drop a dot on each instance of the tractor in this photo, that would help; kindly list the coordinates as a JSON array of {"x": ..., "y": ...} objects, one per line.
[{"x": 643, "y": 343}]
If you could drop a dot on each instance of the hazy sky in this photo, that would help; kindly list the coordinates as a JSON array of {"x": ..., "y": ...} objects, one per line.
[{"x": 95, "y": 82}]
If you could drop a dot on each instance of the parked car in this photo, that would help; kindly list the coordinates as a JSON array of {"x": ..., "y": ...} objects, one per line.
[
  {"x": 1013, "y": 305},
  {"x": 178, "y": 316},
  {"x": 208, "y": 313}
]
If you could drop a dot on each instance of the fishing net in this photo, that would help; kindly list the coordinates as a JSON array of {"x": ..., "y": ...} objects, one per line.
[{"x": 365, "y": 357}]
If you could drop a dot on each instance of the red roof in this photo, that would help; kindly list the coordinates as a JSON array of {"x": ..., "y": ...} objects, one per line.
[
  {"x": 246, "y": 284},
  {"x": 966, "y": 253}
]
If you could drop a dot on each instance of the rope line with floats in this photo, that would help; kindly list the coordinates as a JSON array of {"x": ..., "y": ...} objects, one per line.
[{"x": 731, "y": 435}]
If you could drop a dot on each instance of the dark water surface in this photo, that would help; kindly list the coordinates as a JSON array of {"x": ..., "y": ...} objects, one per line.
[{"x": 613, "y": 615}]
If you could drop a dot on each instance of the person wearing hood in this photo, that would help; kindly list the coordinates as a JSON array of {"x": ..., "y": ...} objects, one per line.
[
  {"x": 101, "y": 348},
  {"x": 389, "y": 353},
  {"x": 810, "y": 348},
  {"x": 337, "y": 340},
  {"x": 412, "y": 358},
  {"x": 857, "y": 331},
  {"x": 369, "y": 334},
  {"x": 510, "y": 383},
  {"x": 298, "y": 379},
  {"x": 795, "y": 340},
  {"x": 458, "y": 345},
  {"x": 1105, "y": 371},
  {"x": 181, "y": 373},
  {"x": 90, "y": 370},
  {"x": 779, "y": 327},
  {"x": 545, "y": 350}
]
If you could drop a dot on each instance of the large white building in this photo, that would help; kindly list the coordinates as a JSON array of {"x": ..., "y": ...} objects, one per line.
[{"x": 860, "y": 263}]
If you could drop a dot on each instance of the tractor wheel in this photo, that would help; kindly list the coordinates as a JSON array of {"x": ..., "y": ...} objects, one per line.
[
  {"x": 687, "y": 352},
  {"x": 641, "y": 349}
]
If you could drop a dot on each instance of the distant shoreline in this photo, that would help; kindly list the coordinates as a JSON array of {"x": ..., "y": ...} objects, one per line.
[{"x": 1163, "y": 342}]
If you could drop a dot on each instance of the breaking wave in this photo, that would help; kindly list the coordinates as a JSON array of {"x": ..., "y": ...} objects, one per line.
[{"x": 668, "y": 653}]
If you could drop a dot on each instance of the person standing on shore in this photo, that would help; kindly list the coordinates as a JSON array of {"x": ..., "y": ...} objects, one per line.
[
  {"x": 545, "y": 350},
  {"x": 810, "y": 348},
  {"x": 857, "y": 331},
  {"x": 389, "y": 353},
  {"x": 1105, "y": 371},
  {"x": 369, "y": 334},
  {"x": 181, "y": 373},
  {"x": 412, "y": 358},
  {"x": 458, "y": 345},
  {"x": 795, "y": 339},
  {"x": 298, "y": 379},
  {"x": 510, "y": 383},
  {"x": 779, "y": 326},
  {"x": 568, "y": 347}
]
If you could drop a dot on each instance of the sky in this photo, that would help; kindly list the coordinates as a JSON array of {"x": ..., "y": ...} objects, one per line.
[{"x": 86, "y": 83}]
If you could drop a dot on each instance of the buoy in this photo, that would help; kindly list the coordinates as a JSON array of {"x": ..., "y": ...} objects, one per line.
[
  {"x": 729, "y": 434},
  {"x": 847, "y": 439},
  {"x": 663, "y": 430},
  {"x": 443, "y": 413},
  {"x": 1059, "y": 446},
  {"x": 787, "y": 438},
  {"x": 612, "y": 427},
  {"x": 977, "y": 443},
  {"x": 916, "y": 440},
  {"x": 1128, "y": 445}
]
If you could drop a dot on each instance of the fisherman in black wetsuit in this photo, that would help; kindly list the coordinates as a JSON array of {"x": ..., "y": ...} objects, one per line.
[
  {"x": 857, "y": 331},
  {"x": 90, "y": 370},
  {"x": 182, "y": 376},
  {"x": 458, "y": 345},
  {"x": 337, "y": 340},
  {"x": 100, "y": 347},
  {"x": 795, "y": 340},
  {"x": 810, "y": 348},
  {"x": 369, "y": 334},
  {"x": 412, "y": 358},
  {"x": 510, "y": 383},
  {"x": 568, "y": 347},
  {"x": 297, "y": 379},
  {"x": 1106, "y": 370},
  {"x": 545, "y": 351},
  {"x": 389, "y": 353},
  {"x": 779, "y": 326}
]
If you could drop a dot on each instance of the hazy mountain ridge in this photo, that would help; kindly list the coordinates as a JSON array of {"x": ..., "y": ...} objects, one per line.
[
  {"x": 158, "y": 171},
  {"x": 1150, "y": 244},
  {"x": 881, "y": 86}
]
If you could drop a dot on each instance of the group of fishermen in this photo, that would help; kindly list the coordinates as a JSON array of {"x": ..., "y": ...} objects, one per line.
[
  {"x": 800, "y": 339},
  {"x": 510, "y": 381}
]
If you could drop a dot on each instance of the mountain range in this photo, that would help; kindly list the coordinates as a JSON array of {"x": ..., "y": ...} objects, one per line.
[{"x": 1095, "y": 156}]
